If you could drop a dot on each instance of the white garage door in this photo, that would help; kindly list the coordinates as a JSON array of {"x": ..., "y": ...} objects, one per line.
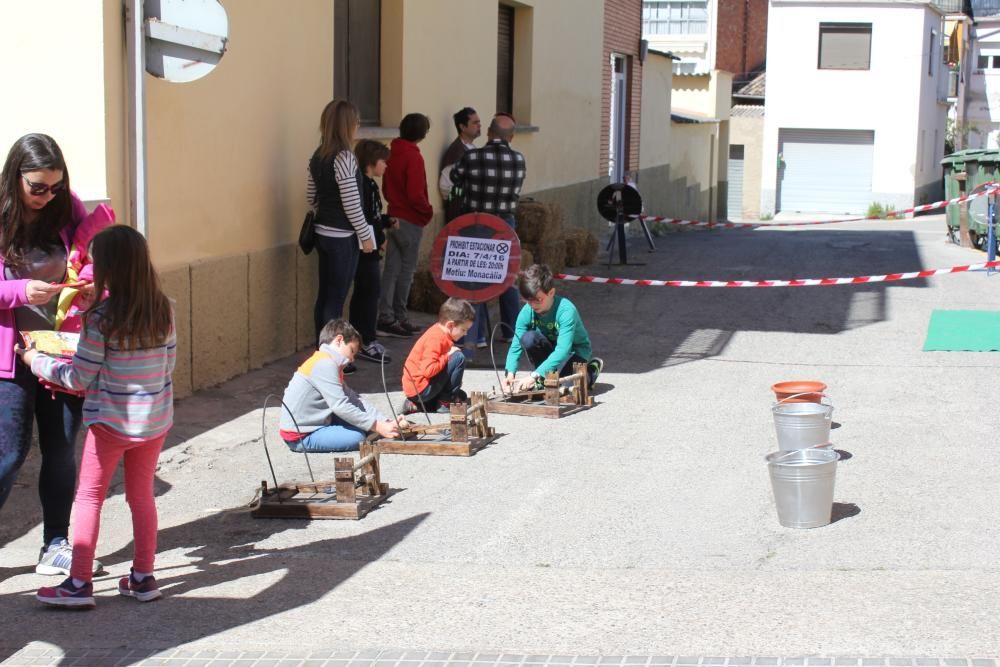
[
  {"x": 735, "y": 200},
  {"x": 826, "y": 171}
]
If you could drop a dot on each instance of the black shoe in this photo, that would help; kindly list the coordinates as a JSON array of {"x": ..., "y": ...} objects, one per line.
[
  {"x": 409, "y": 327},
  {"x": 349, "y": 369},
  {"x": 393, "y": 329},
  {"x": 459, "y": 396},
  {"x": 374, "y": 351}
]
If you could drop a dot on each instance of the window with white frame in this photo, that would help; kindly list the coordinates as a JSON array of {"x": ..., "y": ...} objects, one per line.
[
  {"x": 675, "y": 17},
  {"x": 989, "y": 61}
]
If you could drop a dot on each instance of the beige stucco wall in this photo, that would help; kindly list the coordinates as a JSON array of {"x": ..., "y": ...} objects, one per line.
[
  {"x": 693, "y": 171},
  {"x": 52, "y": 64},
  {"x": 227, "y": 153},
  {"x": 750, "y": 133},
  {"x": 557, "y": 88},
  {"x": 654, "y": 133}
]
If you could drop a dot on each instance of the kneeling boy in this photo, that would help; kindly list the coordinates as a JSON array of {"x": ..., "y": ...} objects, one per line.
[
  {"x": 549, "y": 330},
  {"x": 322, "y": 414},
  {"x": 432, "y": 374}
]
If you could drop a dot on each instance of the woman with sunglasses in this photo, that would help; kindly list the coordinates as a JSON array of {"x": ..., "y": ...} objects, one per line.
[{"x": 38, "y": 215}]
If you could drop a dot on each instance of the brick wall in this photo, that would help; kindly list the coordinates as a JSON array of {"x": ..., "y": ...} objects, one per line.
[
  {"x": 741, "y": 38},
  {"x": 622, "y": 32}
]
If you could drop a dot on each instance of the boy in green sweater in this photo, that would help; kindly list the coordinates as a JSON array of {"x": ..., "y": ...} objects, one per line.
[{"x": 549, "y": 330}]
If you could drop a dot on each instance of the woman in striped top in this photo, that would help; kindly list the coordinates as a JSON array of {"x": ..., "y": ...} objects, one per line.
[
  {"x": 123, "y": 364},
  {"x": 334, "y": 192}
]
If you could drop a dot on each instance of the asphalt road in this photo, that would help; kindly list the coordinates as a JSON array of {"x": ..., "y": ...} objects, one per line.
[{"x": 644, "y": 525}]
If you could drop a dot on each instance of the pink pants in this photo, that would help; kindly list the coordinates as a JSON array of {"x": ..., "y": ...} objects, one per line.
[{"x": 102, "y": 450}]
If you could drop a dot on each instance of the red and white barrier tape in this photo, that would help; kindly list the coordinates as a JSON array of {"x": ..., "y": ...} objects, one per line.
[
  {"x": 801, "y": 282},
  {"x": 755, "y": 225}
]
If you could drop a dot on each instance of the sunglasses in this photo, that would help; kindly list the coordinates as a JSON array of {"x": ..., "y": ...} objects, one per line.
[{"x": 38, "y": 189}]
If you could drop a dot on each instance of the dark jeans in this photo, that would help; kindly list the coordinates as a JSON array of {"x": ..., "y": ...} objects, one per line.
[
  {"x": 58, "y": 416},
  {"x": 510, "y": 304},
  {"x": 364, "y": 300},
  {"x": 443, "y": 386},
  {"x": 538, "y": 348},
  {"x": 338, "y": 261}
]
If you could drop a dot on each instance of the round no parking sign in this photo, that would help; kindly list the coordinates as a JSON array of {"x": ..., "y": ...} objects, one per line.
[{"x": 475, "y": 257}]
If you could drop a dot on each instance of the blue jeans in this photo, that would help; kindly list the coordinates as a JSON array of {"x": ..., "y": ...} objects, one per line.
[
  {"x": 338, "y": 262},
  {"x": 538, "y": 348},
  {"x": 337, "y": 436},
  {"x": 510, "y": 304},
  {"x": 444, "y": 385},
  {"x": 58, "y": 415}
]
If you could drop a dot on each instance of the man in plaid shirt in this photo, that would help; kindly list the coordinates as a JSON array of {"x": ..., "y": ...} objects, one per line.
[{"x": 490, "y": 179}]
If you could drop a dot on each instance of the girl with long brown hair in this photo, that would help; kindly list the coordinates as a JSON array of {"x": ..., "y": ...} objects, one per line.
[
  {"x": 334, "y": 192},
  {"x": 124, "y": 361}
]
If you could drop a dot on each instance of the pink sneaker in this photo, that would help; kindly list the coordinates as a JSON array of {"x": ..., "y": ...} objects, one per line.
[
  {"x": 67, "y": 595},
  {"x": 143, "y": 591}
]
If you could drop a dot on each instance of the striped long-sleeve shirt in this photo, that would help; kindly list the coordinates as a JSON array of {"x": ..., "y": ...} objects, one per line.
[
  {"x": 129, "y": 391},
  {"x": 345, "y": 169}
]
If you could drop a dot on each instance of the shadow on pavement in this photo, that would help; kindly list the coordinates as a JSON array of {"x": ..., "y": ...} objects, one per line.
[
  {"x": 256, "y": 581},
  {"x": 843, "y": 511}
]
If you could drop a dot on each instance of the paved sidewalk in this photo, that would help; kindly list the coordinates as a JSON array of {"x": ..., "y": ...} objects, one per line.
[
  {"x": 642, "y": 527},
  {"x": 395, "y": 658}
]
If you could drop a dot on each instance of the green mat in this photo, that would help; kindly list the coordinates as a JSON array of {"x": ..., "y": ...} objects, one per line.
[{"x": 963, "y": 330}]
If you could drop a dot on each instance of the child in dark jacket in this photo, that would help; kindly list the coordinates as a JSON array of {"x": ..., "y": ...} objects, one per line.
[{"x": 372, "y": 159}]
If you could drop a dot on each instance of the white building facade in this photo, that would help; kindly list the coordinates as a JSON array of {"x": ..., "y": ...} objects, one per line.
[{"x": 856, "y": 106}]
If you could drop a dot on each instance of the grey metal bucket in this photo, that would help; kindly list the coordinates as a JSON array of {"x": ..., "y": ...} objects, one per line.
[
  {"x": 802, "y": 425},
  {"x": 802, "y": 481}
]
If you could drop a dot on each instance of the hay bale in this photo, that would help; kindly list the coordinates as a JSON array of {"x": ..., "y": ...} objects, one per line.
[
  {"x": 552, "y": 228},
  {"x": 425, "y": 296},
  {"x": 591, "y": 246},
  {"x": 552, "y": 254},
  {"x": 527, "y": 258},
  {"x": 574, "y": 247},
  {"x": 531, "y": 217}
]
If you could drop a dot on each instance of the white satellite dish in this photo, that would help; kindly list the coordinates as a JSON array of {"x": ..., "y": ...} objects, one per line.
[{"x": 185, "y": 39}]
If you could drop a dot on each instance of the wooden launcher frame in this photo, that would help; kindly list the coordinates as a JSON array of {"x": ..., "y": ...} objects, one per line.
[
  {"x": 547, "y": 402},
  {"x": 467, "y": 431},
  {"x": 356, "y": 489}
]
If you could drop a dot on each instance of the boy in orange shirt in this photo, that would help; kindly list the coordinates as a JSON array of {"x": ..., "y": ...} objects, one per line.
[{"x": 432, "y": 373}]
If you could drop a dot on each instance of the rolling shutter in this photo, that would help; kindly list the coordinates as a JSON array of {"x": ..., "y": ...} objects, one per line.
[
  {"x": 734, "y": 203},
  {"x": 826, "y": 171}
]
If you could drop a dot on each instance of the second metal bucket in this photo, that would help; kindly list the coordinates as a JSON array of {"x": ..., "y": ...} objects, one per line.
[
  {"x": 802, "y": 482},
  {"x": 802, "y": 425}
]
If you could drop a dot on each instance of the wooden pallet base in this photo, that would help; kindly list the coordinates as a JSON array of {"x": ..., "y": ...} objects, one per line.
[
  {"x": 538, "y": 408},
  {"x": 558, "y": 397},
  {"x": 430, "y": 447},
  {"x": 294, "y": 500}
]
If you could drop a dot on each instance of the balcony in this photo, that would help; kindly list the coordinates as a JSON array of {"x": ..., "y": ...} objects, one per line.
[{"x": 949, "y": 6}]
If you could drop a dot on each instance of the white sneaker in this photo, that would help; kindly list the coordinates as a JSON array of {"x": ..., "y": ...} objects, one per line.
[{"x": 57, "y": 558}]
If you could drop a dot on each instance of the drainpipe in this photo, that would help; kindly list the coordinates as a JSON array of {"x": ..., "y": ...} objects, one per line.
[{"x": 136, "y": 56}]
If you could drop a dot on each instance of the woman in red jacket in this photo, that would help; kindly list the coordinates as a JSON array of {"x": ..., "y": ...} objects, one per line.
[{"x": 405, "y": 188}]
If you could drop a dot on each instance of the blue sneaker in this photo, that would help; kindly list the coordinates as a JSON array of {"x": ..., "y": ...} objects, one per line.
[
  {"x": 57, "y": 558},
  {"x": 67, "y": 595}
]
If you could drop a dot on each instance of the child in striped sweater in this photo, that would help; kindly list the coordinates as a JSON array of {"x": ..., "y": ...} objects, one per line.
[{"x": 123, "y": 364}]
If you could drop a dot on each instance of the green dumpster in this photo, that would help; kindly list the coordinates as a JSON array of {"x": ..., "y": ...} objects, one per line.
[{"x": 961, "y": 166}]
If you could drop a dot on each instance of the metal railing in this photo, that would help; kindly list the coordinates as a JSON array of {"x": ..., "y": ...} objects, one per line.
[{"x": 950, "y": 6}]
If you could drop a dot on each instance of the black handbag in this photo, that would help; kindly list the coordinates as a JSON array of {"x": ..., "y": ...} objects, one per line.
[{"x": 307, "y": 235}]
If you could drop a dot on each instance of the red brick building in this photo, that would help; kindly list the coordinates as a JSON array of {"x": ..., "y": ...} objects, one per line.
[
  {"x": 741, "y": 36},
  {"x": 621, "y": 64}
]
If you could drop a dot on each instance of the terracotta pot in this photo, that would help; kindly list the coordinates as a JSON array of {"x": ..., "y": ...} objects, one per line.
[{"x": 785, "y": 390}]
